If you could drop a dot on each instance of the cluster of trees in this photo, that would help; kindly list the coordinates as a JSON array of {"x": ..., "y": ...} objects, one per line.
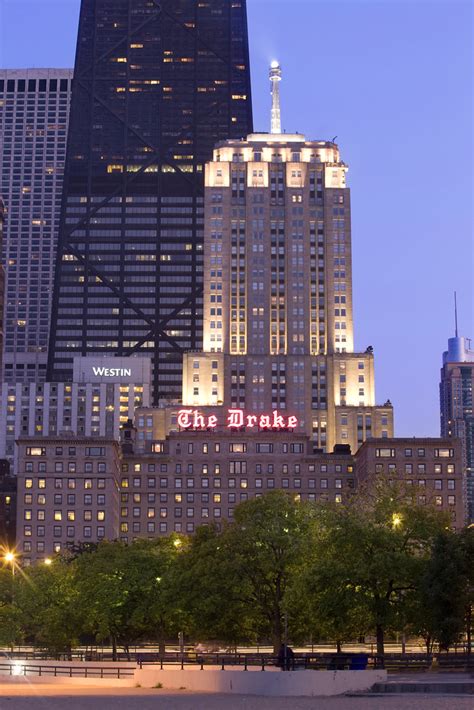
[{"x": 380, "y": 564}]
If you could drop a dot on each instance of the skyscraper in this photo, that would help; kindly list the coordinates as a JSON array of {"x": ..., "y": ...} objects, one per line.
[
  {"x": 156, "y": 85},
  {"x": 456, "y": 405},
  {"x": 34, "y": 113},
  {"x": 278, "y": 325},
  {"x": 2, "y": 285}
]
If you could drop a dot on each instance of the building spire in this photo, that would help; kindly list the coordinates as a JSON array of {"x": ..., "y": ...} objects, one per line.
[
  {"x": 455, "y": 314},
  {"x": 275, "y": 78}
]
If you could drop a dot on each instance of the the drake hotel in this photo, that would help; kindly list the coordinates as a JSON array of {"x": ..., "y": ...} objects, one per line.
[{"x": 277, "y": 398}]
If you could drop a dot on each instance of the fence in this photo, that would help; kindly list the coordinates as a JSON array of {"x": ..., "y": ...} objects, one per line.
[{"x": 73, "y": 671}]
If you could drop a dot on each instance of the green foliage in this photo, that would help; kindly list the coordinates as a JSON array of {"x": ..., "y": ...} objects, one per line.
[
  {"x": 47, "y": 598},
  {"x": 368, "y": 560},
  {"x": 380, "y": 563},
  {"x": 442, "y": 608}
]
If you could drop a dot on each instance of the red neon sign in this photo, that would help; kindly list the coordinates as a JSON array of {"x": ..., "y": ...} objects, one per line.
[{"x": 236, "y": 419}]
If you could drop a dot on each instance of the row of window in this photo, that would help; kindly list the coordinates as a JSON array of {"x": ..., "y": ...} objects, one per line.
[
  {"x": 70, "y": 515},
  {"x": 89, "y": 450},
  {"x": 62, "y": 466},
  {"x": 391, "y": 453},
  {"x": 64, "y": 483},
  {"x": 420, "y": 468},
  {"x": 217, "y": 468}
]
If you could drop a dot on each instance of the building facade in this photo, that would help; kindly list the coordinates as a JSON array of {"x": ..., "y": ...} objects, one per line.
[
  {"x": 2, "y": 288},
  {"x": 195, "y": 478},
  {"x": 434, "y": 467},
  {"x": 278, "y": 320},
  {"x": 74, "y": 489},
  {"x": 34, "y": 114},
  {"x": 8, "y": 506},
  {"x": 102, "y": 397},
  {"x": 156, "y": 85},
  {"x": 456, "y": 405},
  {"x": 67, "y": 493}
]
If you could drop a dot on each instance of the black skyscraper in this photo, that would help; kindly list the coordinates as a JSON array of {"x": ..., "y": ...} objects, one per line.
[{"x": 156, "y": 85}]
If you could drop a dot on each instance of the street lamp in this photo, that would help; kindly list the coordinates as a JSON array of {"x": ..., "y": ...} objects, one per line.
[
  {"x": 396, "y": 520},
  {"x": 48, "y": 561},
  {"x": 10, "y": 557}
]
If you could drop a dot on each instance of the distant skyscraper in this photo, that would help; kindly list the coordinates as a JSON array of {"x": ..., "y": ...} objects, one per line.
[
  {"x": 278, "y": 325},
  {"x": 34, "y": 110},
  {"x": 2, "y": 286},
  {"x": 456, "y": 404},
  {"x": 156, "y": 85}
]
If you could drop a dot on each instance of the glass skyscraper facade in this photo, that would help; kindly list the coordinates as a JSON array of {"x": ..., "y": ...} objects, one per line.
[
  {"x": 34, "y": 113},
  {"x": 156, "y": 85},
  {"x": 456, "y": 405}
]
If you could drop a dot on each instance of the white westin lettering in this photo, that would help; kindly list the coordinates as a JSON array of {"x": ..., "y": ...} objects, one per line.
[{"x": 112, "y": 372}]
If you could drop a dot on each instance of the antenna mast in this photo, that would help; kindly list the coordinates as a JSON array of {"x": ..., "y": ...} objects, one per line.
[
  {"x": 456, "y": 314},
  {"x": 275, "y": 78}
]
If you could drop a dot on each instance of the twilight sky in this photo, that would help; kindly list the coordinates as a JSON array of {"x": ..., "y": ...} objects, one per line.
[{"x": 393, "y": 80}]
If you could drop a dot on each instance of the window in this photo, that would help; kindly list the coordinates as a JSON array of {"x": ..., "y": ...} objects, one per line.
[
  {"x": 95, "y": 451},
  {"x": 35, "y": 451},
  {"x": 444, "y": 453},
  {"x": 385, "y": 453},
  {"x": 238, "y": 448},
  {"x": 264, "y": 448}
]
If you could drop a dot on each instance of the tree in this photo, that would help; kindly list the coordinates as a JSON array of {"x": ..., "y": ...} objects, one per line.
[
  {"x": 269, "y": 543},
  {"x": 213, "y": 592},
  {"x": 46, "y": 599},
  {"x": 369, "y": 557},
  {"x": 441, "y": 612},
  {"x": 128, "y": 591},
  {"x": 11, "y": 631}
]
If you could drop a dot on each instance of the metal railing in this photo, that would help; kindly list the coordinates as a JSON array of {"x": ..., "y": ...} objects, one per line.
[{"x": 26, "y": 669}]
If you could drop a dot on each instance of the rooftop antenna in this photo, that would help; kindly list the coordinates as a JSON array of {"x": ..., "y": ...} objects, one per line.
[
  {"x": 456, "y": 313},
  {"x": 275, "y": 78}
]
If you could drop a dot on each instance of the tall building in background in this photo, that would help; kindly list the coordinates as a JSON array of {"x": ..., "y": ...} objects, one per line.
[
  {"x": 278, "y": 325},
  {"x": 456, "y": 405},
  {"x": 34, "y": 112},
  {"x": 2, "y": 286},
  {"x": 156, "y": 85}
]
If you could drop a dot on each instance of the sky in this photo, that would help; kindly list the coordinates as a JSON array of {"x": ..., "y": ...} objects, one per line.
[{"x": 393, "y": 80}]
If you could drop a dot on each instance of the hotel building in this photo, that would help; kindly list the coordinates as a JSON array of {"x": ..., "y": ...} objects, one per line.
[
  {"x": 75, "y": 489},
  {"x": 278, "y": 317},
  {"x": 102, "y": 397}
]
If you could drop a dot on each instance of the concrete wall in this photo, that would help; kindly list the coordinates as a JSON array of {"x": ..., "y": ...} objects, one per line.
[{"x": 256, "y": 682}]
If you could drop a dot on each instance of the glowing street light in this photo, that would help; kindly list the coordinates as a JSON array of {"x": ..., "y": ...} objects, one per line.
[
  {"x": 48, "y": 561},
  {"x": 9, "y": 557},
  {"x": 396, "y": 520}
]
